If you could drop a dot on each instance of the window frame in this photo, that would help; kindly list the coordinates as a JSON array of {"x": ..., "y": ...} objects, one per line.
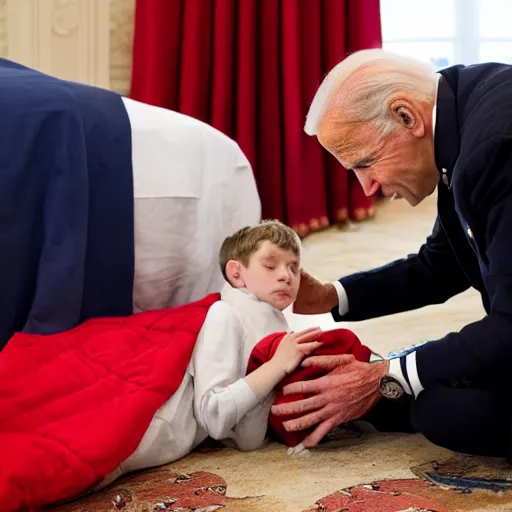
[{"x": 466, "y": 40}]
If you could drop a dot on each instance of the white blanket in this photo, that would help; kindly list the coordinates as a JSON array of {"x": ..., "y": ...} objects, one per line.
[{"x": 193, "y": 186}]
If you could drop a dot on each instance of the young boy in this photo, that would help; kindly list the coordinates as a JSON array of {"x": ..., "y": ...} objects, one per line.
[
  {"x": 261, "y": 265},
  {"x": 76, "y": 403}
]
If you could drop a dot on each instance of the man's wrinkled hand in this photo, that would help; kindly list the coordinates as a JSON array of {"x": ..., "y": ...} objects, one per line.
[
  {"x": 314, "y": 297},
  {"x": 346, "y": 393}
]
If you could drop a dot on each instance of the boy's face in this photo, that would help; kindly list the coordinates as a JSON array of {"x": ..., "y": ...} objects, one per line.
[{"x": 272, "y": 275}]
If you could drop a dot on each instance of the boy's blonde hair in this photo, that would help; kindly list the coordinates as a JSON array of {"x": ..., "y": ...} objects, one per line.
[{"x": 246, "y": 241}]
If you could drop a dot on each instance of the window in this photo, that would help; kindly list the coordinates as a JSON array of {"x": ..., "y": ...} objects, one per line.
[{"x": 448, "y": 32}]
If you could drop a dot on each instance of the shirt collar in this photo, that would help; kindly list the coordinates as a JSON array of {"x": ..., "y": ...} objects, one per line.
[
  {"x": 435, "y": 106},
  {"x": 242, "y": 297},
  {"x": 447, "y": 129}
]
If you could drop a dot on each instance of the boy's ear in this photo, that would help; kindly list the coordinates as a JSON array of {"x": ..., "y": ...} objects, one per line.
[{"x": 234, "y": 273}]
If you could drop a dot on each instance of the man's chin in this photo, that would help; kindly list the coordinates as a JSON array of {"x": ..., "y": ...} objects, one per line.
[
  {"x": 416, "y": 200},
  {"x": 409, "y": 198},
  {"x": 412, "y": 199}
]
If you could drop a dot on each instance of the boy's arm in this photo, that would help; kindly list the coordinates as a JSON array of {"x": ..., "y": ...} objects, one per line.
[
  {"x": 250, "y": 432},
  {"x": 222, "y": 394}
]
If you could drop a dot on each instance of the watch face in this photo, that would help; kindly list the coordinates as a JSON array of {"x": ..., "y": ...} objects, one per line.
[{"x": 391, "y": 388}]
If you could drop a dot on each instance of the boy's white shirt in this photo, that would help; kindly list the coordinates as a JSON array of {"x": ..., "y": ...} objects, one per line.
[{"x": 214, "y": 399}]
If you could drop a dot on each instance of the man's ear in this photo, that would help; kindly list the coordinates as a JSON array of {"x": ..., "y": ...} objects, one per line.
[
  {"x": 408, "y": 116},
  {"x": 234, "y": 273}
]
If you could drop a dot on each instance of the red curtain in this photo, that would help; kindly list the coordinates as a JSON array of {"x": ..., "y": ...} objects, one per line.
[{"x": 251, "y": 68}]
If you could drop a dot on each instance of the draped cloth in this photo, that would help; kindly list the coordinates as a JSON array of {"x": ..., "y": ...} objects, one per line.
[
  {"x": 66, "y": 203},
  {"x": 251, "y": 68}
]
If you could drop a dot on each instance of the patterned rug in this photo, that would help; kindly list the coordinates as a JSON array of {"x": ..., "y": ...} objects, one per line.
[
  {"x": 455, "y": 484},
  {"x": 214, "y": 479}
]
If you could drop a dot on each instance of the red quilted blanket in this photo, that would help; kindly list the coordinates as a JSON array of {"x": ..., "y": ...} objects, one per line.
[{"x": 75, "y": 405}]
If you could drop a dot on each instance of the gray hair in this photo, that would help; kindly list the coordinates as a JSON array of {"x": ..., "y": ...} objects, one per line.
[{"x": 368, "y": 100}]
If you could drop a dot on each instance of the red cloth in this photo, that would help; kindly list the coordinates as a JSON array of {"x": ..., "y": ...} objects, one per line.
[
  {"x": 338, "y": 341},
  {"x": 250, "y": 68},
  {"x": 74, "y": 405}
]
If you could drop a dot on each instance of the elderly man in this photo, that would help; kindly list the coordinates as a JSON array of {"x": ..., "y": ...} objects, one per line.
[
  {"x": 107, "y": 205},
  {"x": 405, "y": 130}
]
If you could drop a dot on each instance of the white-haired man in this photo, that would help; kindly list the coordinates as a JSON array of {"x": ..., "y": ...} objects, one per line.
[{"x": 405, "y": 130}]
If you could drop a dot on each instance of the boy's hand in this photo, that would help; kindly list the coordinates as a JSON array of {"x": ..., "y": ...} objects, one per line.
[{"x": 294, "y": 346}]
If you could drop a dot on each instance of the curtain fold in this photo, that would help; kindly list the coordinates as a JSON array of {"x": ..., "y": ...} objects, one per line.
[{"x": 250, "y": 68}]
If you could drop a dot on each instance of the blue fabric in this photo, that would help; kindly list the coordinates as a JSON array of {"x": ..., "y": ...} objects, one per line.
[{"x": 66, "y": 203}]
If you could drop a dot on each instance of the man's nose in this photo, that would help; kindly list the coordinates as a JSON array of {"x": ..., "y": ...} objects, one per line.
[{"x": 370, "y": 186}]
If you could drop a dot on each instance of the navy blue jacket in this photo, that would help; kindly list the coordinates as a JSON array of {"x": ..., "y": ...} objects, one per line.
[
  {"x": 471, "y": 244},
  {"x": 66, "y": 203}
]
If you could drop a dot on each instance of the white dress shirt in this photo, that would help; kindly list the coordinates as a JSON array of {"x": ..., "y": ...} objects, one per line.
[
  {"x": 224, "y": 404},
  {"x": 214, "y": 399}
]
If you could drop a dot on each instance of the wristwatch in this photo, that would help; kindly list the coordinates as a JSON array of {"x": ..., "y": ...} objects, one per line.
[{"x": 391, "y": 388}]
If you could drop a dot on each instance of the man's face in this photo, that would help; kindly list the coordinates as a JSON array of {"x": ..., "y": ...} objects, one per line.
[
  {"x": 400, "y": 163},
  {"x": 272, "y": 275}
]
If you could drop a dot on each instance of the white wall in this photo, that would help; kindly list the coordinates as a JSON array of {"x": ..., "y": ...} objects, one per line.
[{"x": 89, "y": 41}]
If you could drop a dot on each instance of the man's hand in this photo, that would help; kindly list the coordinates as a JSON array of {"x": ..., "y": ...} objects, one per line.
[
  {"x": 314, "y": 297},
  {"x": 345, "y": 394}
]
